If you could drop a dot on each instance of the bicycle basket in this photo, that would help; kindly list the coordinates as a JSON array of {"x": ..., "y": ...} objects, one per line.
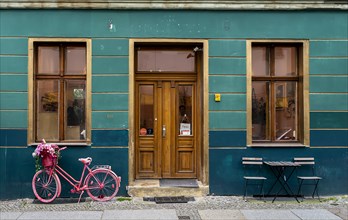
[{"x": 48, "y": 160}]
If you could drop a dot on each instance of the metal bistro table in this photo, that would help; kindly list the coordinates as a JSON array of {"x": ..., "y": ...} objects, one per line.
[{"x": 279, "y": 169}]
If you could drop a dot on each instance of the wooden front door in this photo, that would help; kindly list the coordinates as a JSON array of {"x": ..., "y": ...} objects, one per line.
[{"x": 166, "y": 128}]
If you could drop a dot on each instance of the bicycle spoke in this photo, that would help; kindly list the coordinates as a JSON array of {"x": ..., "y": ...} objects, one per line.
[
  {"x": 45, "y": 186},
  {"x": 102, "y": 185}
]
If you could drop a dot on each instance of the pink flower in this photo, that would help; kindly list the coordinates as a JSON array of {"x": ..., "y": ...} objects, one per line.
[{"x": 44, "y": 149}]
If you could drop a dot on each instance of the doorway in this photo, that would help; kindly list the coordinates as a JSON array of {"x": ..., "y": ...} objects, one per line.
[
  {"x": 167, "y": 111},
  {"x": 168, "y": 119}
]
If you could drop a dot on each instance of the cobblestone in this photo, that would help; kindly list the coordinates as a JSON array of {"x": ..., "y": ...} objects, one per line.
[{"x": 335, "y": 204}]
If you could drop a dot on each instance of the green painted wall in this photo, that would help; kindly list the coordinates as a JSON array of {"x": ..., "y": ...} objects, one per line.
[{"x": 227, "y": 32}]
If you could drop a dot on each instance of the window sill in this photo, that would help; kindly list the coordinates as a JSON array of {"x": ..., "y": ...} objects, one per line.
[
  {"x": 277, "y": 145},
  {"x": 72, "y": 144}
]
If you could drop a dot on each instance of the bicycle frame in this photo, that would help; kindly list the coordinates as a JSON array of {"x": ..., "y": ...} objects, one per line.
[{"x": 78, "y": 185}]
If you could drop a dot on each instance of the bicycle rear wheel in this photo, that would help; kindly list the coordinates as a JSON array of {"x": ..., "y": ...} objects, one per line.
[
  {"x": 45, "y": 186},
  {"x": 102, "y": 184}
]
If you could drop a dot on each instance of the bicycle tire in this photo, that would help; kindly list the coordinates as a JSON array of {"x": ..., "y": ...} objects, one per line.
[
  {"x": 45, "y": 187},
  {"x": 102, "y": 184}
]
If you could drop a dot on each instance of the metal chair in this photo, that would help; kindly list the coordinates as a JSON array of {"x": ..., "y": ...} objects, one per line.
[
  {"x": 311, "y": 178},
  {"x": 250, "y": 163}
]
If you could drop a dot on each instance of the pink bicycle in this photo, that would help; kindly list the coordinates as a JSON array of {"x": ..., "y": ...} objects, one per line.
[{"x": 101, "y": 183}]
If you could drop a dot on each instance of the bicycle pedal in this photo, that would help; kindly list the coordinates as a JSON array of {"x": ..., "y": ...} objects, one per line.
[{"x": 72, "y": 191}]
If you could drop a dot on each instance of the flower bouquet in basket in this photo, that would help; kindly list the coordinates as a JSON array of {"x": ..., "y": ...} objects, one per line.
[{"x": 46, "y": 153}]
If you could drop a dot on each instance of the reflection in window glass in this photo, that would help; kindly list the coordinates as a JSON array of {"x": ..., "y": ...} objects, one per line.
[
  {"x": 286, "y": 117},
  {"x": 285, "y": 61},
  {"x": 166, "y": 61},
  {"x": 275, "y": 104},
  {"x": 75, "y": 62},
  {"x": 75, "y": 128},
  {"x": 260, "y": 60},
  {"x": 47, "y": 114},
  {"x": 185, "y": 110},
  {"x": 48, "y": 60},
  {"x": 60, "y": 71},
  {"x": 259, "y": 110},
  {"x": 146, "y": 94}
]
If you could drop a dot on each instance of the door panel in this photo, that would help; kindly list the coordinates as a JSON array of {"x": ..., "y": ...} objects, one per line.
[
  {"x": 165, "y": 128},
  {"x": 146, "y": 142}
]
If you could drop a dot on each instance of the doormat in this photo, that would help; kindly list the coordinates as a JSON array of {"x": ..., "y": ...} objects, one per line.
[
  {"x": 187, "y": 183},
  {"x": 173, "y": 199}
]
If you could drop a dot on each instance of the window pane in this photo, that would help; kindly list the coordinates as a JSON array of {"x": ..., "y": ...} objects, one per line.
[
  {"x": 146, "y": 60},
  {"x": 185, "y": 110},
  {"x": 48, "y": 60},
  {"x": 75, "y": 62},
  {"x": 146, "y": 109},
  {"x": 47, "y": 110},
  {"x": 166, "y": 61},
  {"x": 260, "y": 113},
  {"x": 285, "y": 61},
  {"x": 75, "y": 128},
  {"x": 286, "y": 111},
  {"x": 176, "y": 61},
  {"x": 260, "y": 61}
]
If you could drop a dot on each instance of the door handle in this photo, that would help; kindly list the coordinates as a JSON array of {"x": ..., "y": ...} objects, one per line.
[{"x": 163, "y": 131}]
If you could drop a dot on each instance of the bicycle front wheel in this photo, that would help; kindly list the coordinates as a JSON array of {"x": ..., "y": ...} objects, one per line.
[
  {"x": 45, "y": 186},
  {"x": 102, "y": 184}
]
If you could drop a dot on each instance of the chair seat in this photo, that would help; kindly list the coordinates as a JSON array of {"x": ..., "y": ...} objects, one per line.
[
  {"x": 254, "y": 178},
  {"x": 309, "y": 177}
]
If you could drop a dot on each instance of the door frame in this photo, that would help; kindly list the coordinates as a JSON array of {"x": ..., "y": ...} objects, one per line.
[{"x": 204, "y": 166}]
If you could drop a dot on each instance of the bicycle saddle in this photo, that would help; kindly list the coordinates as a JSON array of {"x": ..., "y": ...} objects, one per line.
[{"x": 87, "y": 160}]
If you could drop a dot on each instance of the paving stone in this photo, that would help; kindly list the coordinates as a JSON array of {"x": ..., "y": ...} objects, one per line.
[
  {"x": 141, "y": 214},
  {"x": 307, "y": 214},
  {"x": 221, "y": 214},
  {"x": 274, "y": 214},
  {"x": 9, "y": 215},
  {"x": 62, "y": 215}
]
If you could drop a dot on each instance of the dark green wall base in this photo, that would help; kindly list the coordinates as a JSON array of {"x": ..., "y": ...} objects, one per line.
[
  {"x": 226, "y": 171},
  {"x": 17, "y": 168}
]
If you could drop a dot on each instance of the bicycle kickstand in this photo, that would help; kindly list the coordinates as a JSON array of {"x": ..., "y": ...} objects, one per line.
[{"x": 80, "y": 196}]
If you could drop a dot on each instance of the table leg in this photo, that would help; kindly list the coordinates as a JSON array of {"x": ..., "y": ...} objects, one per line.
[
  {"x": 284, "y": 183},
  {"x": 277, "y": 175}
]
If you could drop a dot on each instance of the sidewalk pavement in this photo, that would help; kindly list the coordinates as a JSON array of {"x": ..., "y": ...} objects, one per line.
[
  {"x": 291, "y": 214},
  {"x": 205, "y": 208}
]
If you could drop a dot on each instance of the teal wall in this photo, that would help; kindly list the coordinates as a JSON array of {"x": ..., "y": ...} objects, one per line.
[{"x": 227, "y": 32}]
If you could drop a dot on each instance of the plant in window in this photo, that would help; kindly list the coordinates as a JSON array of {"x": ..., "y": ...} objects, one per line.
[
  {"x": 50, "y": 101},
  {"x": 45, "y": 153}
]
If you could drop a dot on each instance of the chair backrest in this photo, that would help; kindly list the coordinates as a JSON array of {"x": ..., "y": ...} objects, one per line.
[
  {"x": 250, "y": 163},
  {"x": 303, "y": 161}
]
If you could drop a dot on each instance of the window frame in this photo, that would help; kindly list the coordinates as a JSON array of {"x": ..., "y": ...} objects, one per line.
[
  {"x": 32, "y": 65},
  {"x": 303, "y": 110}
]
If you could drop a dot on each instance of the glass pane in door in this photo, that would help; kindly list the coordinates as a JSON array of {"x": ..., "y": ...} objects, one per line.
[
  {"x": 146, "y": 109},
  {"x": 185, "y": 109}
]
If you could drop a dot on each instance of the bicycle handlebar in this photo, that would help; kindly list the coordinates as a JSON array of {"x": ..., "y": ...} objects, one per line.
[{"x": 62, "y": 148}]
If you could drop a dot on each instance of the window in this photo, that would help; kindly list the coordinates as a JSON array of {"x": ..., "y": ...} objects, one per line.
[
  {"x": 277, "y": 92},
  {"x": 164, "y": 60},
  {"x": 59, "y": 111}
]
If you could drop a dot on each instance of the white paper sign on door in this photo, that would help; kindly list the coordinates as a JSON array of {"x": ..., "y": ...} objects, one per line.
[{"x": 185, "y": 128}]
